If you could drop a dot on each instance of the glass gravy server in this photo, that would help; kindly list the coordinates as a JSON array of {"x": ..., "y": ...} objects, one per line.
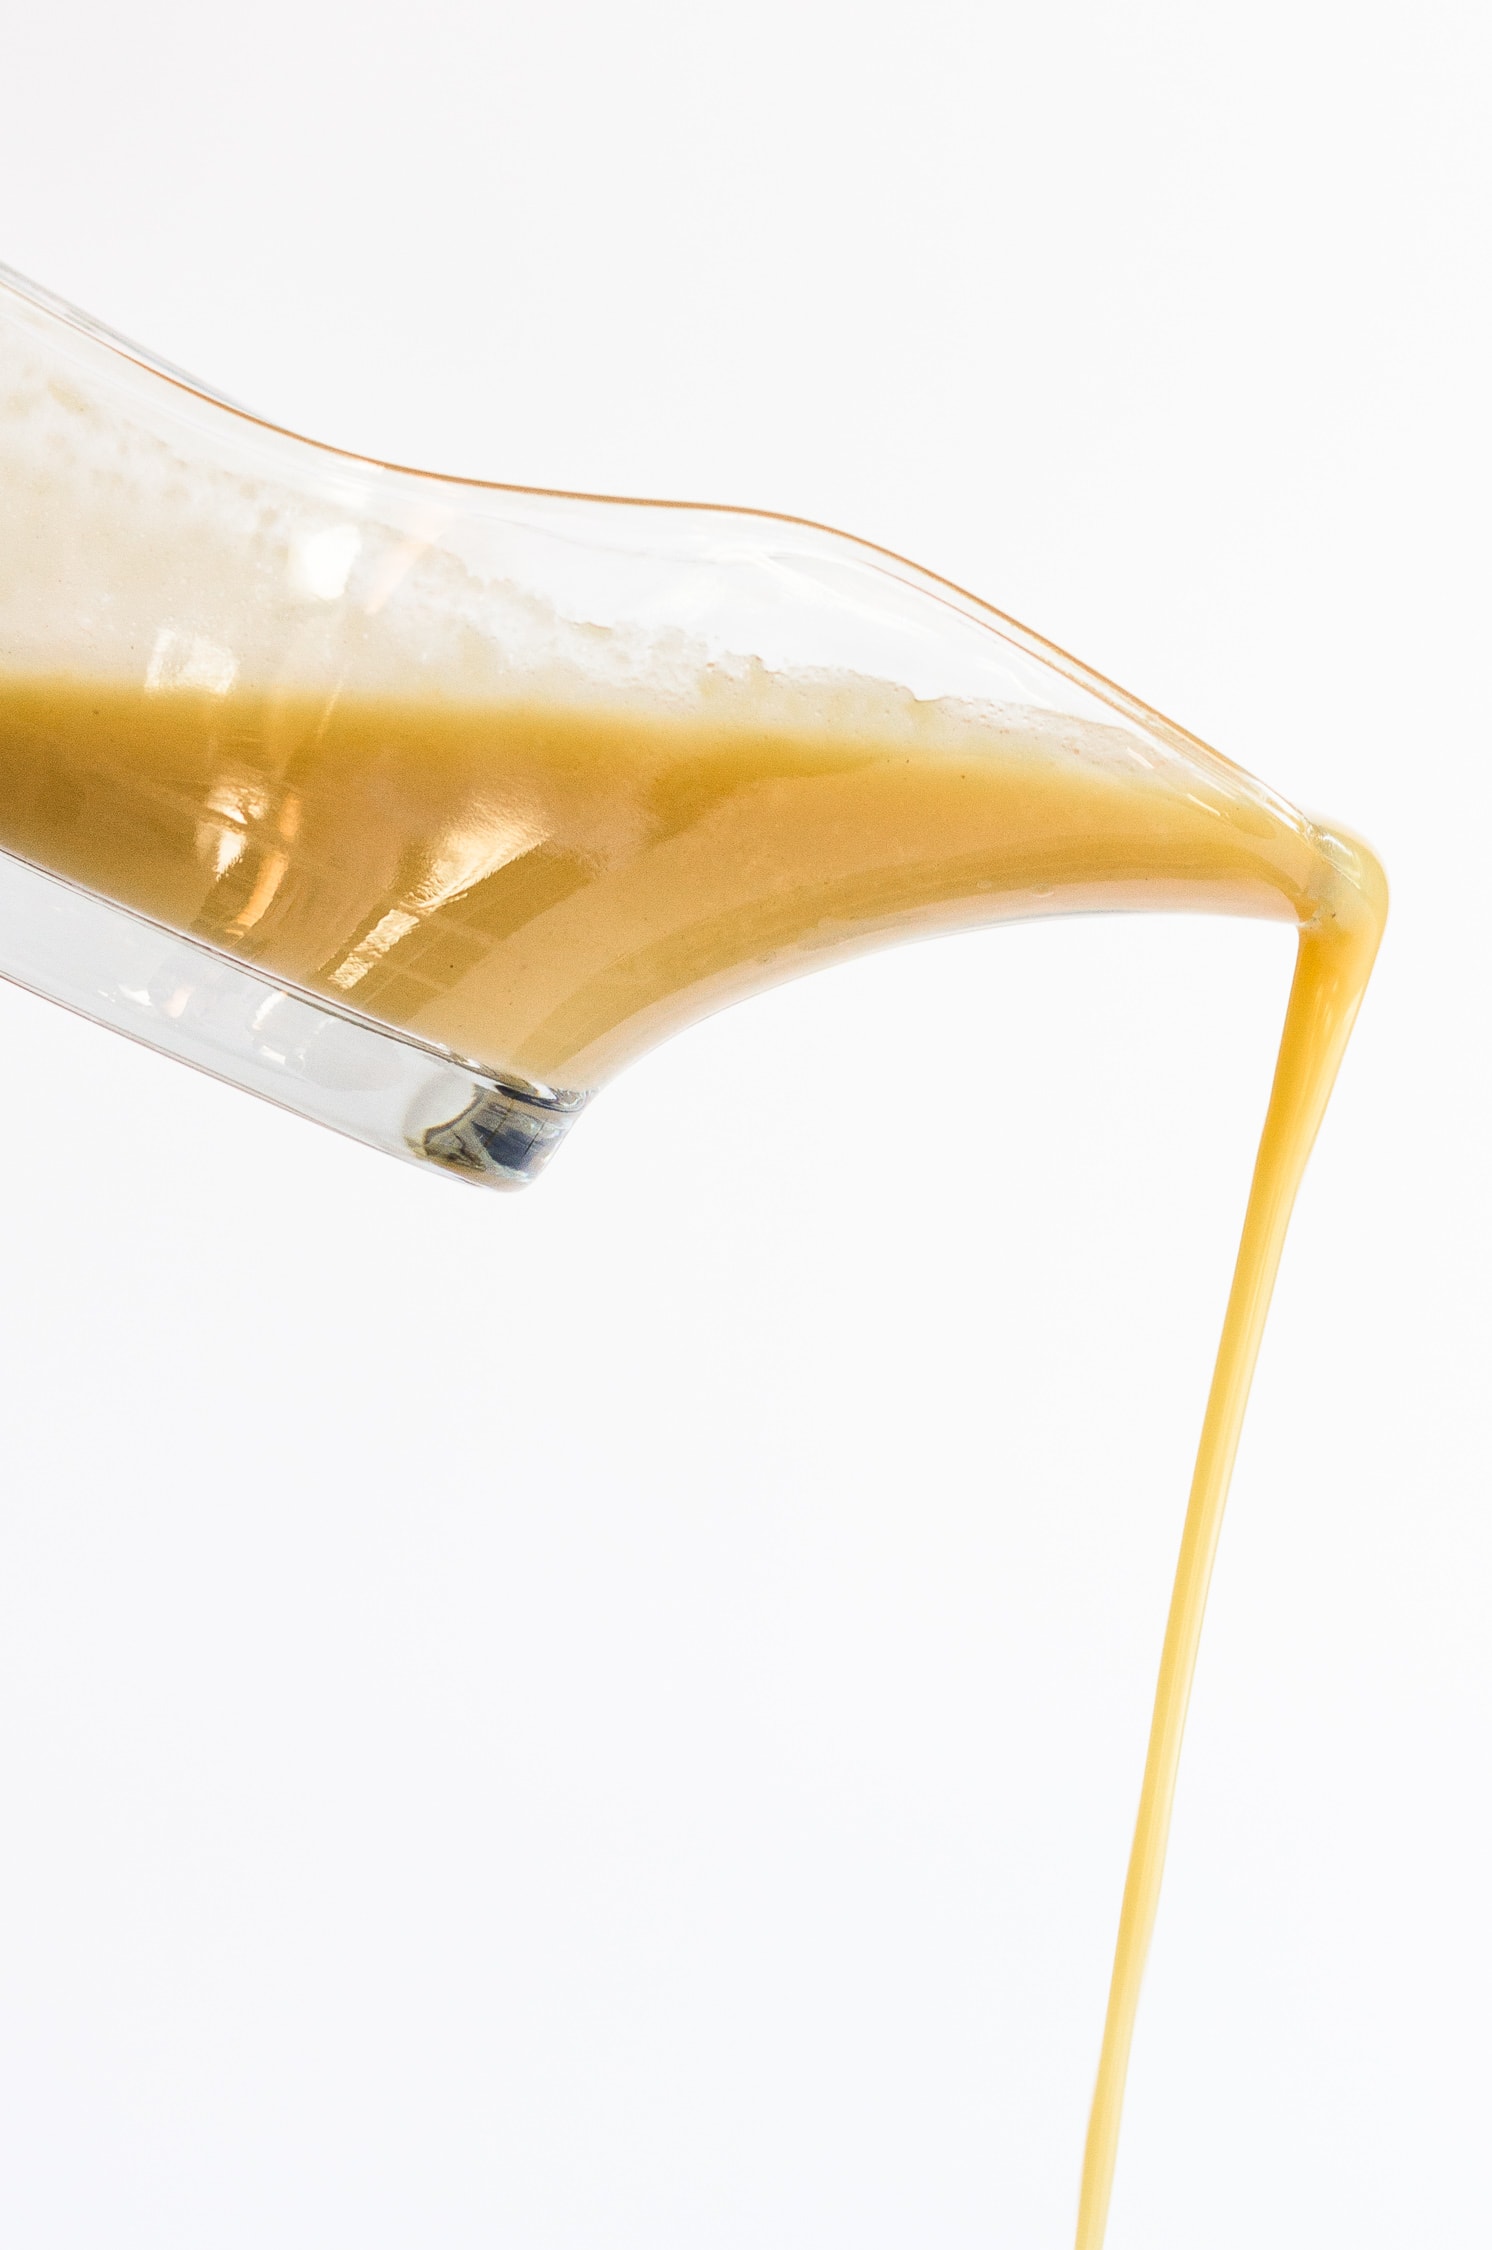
[{"x": 422, "y": 806}]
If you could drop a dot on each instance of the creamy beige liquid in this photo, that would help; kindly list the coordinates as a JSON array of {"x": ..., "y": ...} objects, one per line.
[{"x": 547, "y": 891}]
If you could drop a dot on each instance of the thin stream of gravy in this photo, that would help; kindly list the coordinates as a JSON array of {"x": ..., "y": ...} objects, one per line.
[
  {"x": 548, "y": 890},
  {"x": 1332, "y": 968}
]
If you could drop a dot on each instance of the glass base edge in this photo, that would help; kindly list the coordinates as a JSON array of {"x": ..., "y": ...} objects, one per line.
[{"x": 288, "y": 1046}]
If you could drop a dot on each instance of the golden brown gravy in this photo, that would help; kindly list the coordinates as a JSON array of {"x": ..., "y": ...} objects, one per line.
[{"x": 547, "y": 890}]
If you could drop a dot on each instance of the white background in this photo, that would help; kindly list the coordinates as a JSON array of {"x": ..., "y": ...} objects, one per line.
[{"x": 611, "y": 1718}]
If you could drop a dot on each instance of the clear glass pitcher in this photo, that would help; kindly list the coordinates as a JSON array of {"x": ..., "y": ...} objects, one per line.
[{"x": 420, "y": 806}]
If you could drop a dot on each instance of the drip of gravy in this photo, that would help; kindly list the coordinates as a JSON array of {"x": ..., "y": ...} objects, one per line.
[{"x": 547, "y": 889}]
